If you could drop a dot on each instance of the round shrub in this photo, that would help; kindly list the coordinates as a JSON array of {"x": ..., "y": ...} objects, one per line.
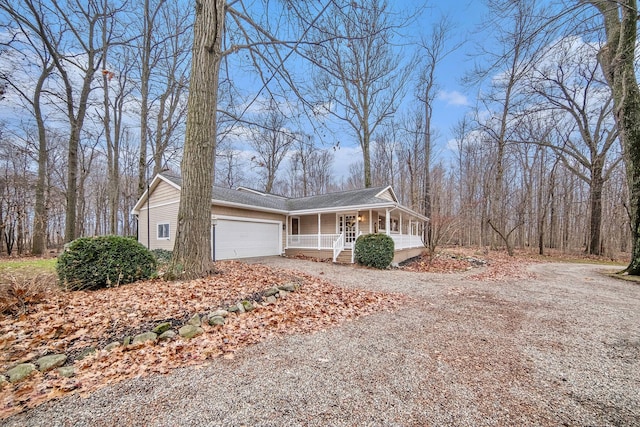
[
  {"x": 374, "y": 250},
  {"x": 104, "y": 261}
]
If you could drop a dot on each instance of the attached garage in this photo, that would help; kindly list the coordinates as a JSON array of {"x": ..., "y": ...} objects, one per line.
[{"x": 245, "y": 238}]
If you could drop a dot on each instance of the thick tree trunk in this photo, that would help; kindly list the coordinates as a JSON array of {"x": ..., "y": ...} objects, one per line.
[
  {"x": 595, "y": 224},
  {"x": 617, "y": 61},
  {"x": 192, "y": 250}
]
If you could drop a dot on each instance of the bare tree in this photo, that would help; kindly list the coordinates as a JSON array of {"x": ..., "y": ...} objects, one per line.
[
  {"x": 362, "y": 78},
  {"x": 571, "y": 87},
  {"x": 191, "y": 253},
  {"x": 78, "y": 25},
  {"x": 28, "y": 48},
  {"x": 433, "y": 50},
  {"x": 516, "y": 23},
  {"x": 271, "y": 142}
]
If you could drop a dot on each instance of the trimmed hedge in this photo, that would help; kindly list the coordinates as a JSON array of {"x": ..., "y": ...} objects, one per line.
[
  {"x": 374, "y": 250},
  {"x": 104, "y": 261}
]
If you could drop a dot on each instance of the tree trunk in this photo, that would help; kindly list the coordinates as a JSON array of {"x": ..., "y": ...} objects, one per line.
[
  {"x": 595, "y": 224},
  {"x": 616, "y": 58},
  {"x": 38, "y": 244},
  {"x": 366, "y": 157},
  {"x": 145, "y": 72},
  {"x": 192, "y": 250}
]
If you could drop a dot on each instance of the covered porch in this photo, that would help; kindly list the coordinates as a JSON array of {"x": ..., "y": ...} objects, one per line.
[{"x": 332, "y": 234}]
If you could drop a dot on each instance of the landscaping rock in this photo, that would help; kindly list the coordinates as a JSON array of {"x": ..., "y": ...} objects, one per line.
[
  {"x": 271, "y": 299},
  {"x": 271, "y": 291},
  {"x": 3, "y": 381},
  {"x": 221, "y": 313},
  {"x": 289, "y": 287},
  {"x": 240, "y": 308},
  {"x": 167, "y": 335},
  {"x": 162, "y": 327},
  {"x": 144, "y": 337},
  {"x": 21, "y": 372},
  {"x": 112, "y": 345},
  {"x": 283, "y": 293},
  {"x": 247, "y": 305},
  {"x": 195, "y": 320},
  {"x": 86, "y": 352},
  {"x": 216, "y": 320},
  {"x": 233, "y": 309},
  {"x": 67, "y": 371},
  {"x": 51, "y": 361},
  {"x": 126, "y": 341},
  {"x": 190, "y": 331}
]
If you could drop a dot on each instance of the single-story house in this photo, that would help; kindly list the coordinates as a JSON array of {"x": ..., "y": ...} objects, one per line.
[{"x": 249, "y": 223}]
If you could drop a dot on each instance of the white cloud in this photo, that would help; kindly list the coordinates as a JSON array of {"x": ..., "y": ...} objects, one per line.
[{"x": 453, "y": 98}]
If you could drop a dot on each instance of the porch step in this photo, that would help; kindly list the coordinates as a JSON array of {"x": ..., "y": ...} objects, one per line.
[{"x": 344, "y": 257}]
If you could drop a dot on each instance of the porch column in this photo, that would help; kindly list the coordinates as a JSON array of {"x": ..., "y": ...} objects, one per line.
[
  {"x": 286, "y": 231},
  {"x": 402, "y": 244},
  {"x": 410, "y": 233},
  {"x": 319, "y": 236},
  {"x": 370, "y": 222},
  {"x": 387, "y": 222}
]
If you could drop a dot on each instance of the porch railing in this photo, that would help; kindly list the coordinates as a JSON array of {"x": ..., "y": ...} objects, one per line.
[
  {"x": 312, "y": 241},
  {"x": 406, "y": 241},
  {"x": 338, "y": 246}
]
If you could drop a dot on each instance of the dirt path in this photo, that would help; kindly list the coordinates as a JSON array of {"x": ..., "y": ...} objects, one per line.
[{"x": 561, "y": 349}]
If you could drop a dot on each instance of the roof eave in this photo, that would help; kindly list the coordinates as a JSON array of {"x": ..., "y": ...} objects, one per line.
[
  {"x": 248, "y": 207},
  {"x": 359, "y": 207}
]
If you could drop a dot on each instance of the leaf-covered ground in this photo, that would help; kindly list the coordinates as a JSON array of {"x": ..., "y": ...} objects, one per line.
[
  {"x": 70, "y": 322},
  {"x": 491, "y": 265},
  {"x": 497, "y": 265}
]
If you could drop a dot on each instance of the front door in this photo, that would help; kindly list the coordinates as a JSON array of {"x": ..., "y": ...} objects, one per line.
[{"x": 347, "y": 225}]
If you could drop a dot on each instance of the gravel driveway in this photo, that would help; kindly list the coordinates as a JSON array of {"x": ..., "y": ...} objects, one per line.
[{"x": 561, "y": 349}]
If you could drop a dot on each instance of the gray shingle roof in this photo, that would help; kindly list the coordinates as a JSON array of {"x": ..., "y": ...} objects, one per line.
[
  {"x": 366, "y": 196},
  {"x": 264, "y": 200}
]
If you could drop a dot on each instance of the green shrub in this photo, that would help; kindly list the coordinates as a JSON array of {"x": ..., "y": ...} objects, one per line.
[
  {"x": 104, "y": 261},
  {"x": 163, "y": 256},
  {"x": 374, "y": 250}
]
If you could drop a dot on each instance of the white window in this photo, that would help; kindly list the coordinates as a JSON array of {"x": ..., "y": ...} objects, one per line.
[{"x": 163, "y": 231}]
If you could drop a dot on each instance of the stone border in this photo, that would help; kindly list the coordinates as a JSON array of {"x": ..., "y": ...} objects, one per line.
[{"x": 162, "y": 331}]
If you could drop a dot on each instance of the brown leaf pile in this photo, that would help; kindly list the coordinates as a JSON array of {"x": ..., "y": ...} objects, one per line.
[
  {"x": 501, "y": 266},
  {"x": 439, "y": 263},
  {"x": 69, "y": 322}
]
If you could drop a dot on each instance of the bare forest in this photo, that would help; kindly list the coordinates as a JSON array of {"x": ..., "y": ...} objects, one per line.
[{"x": 99, "y": 96}]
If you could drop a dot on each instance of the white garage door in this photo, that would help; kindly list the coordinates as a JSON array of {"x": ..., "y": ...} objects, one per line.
[{"x": 244, "y": 239}]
